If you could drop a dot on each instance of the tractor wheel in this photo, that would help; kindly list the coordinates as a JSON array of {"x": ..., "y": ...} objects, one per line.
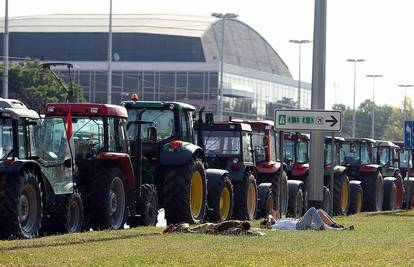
[
  {"x": 373, "y": 186},
  {"x": 326, "y": 200},
  {"x": 341, "y": 194},
  {"x": 147, "y": 208},
  {"x": 390, "y": 195},
  {"x": 245, "y": 198},
  {"x": 185, "y": 193},
  {"x": 400, "y": 191},
  {"x": 108, "y": 200},
  {"x": 356, "y": 198},
  {"x": 70, "y": 220},
  {"x": 295, "y": 207},
  {"x": 21, "y": 206},
  {"x": 283, "y": 195},
  {"x": 220, "y": 199},
  {"x": 265, "y": 200},
  {"x": 409, "y": 189}
]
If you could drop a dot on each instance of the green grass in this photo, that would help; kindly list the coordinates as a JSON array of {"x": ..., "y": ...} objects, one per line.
[{"x": 382, "y": 239}]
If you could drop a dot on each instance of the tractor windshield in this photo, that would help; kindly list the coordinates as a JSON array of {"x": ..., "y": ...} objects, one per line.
[
  {"x": 88, "y": 136},
  {"x": 328, "y": 154},
  {"x": 6, "y": 138},
  {"x": 357, "y": 153},
  {"x": 405, "y": 160},
  {"x": 289, "y": 150},
  {"x": 302, "y": 152},
  {"x": 258, "y": 147},
  {"x": 384, "y": 155},
  {"x": 162, "y": 118},
  {"x": 222, "y": 142}
]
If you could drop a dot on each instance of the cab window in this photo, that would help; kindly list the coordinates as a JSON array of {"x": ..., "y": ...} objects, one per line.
[{"x": 247, "y": 147}]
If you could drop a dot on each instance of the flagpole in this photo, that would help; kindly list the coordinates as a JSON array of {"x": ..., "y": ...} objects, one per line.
[{"x": 6, "y": 53}]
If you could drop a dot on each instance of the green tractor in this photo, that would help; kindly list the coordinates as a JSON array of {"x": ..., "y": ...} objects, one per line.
[
  {"x": 175, "y": 165},
  {"x": 38, "y": 190},
  {"x": 341, "y": 192}
]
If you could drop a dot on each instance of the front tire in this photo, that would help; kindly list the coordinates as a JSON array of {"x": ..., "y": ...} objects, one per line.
[
  {"x": 108, "y": 200},
  {"x": 296, "y": 199},
  {"x": 341, "y": 194},
  {"x": 185, "y": 193},
  {"x": 147, "y": 208},
  {"x": 21, "y": 206},
  {"x": 220, "y": 199},
  {"x": 373, "y": 186},
  {"x": 356, "y": 198},
  {"x": 265, "y": 202},
  {"x": 245, "y": 198},
  {"x": 390, "y": 195}
]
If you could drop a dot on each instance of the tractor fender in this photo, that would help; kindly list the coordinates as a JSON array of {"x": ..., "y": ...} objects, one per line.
[
  {"x": 355, "y": 182},
  {"x": 294, "y": 185},
  {"x": 300, "y": 170},
  {"x": 123, "y": 161},
  {"x": 15, "y": 167},
  {"x": 339, "y": 170},
  {"x": 214, "y": 176},
  {"x": 268, "y": 167},
  {"x": 389, "y": 180},
  {"x": 369, "y": 168},
  {"x": 180, "y": 156}
]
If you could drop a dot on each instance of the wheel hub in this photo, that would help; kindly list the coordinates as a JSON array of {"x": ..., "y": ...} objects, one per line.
[
  {"x": 113, "y": 202},
  {"x": 24, "y": 208}
]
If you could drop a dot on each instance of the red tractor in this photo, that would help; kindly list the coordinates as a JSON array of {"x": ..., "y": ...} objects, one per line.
[
  {"x": 111, "y": 187},
  {"x": 270, "y": 168}
]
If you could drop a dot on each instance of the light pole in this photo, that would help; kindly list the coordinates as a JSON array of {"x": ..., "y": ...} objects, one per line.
[
  {"x": 223, "y": 18},
  {"x": 109, "y": 89},
  {"x": 405, "y": 86},
  {"x": 6, "y": 52},
  {"x": 299, "y": 42},
  {"x": 355, "y": 61},
  {"x": 373, "y": 76}
]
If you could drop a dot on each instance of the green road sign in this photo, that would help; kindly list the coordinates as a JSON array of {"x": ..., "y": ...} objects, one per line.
[{"x": 308, "y": 120}]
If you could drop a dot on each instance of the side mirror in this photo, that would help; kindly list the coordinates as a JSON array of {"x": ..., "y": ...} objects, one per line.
[
  {"x": 209, "y": 118},
  {"x": 152, "y": 134},
  {"x": 67, "y": 163}
]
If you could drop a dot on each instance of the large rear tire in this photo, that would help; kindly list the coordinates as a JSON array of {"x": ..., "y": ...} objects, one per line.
[
  {"x": 399, "y": 184},
  {"x": 245, "y": 198},
  {"x": 21, "y": 206},
  {"x": 390, "y": 195},
  {"x": 185, "y": 193},
  {"x": 341, "y": 194},
  {"x": 295, "y": 207},
  {"x": 373, "y": 186},
  {"x": 108, "y": 200},
  {"x": 265, "y": 200},
  {"x": 220, "y": 200},
  {"x": 279, "y": 190},
  {"x": 147, "y": 208},
  {"x": 356, "y": 198}
]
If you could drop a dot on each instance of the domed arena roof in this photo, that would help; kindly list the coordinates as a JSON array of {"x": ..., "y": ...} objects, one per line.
[{"x": 142, "y": 37}]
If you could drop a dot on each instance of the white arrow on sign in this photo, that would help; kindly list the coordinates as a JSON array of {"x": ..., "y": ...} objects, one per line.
[{"x": 309, "y": 120}]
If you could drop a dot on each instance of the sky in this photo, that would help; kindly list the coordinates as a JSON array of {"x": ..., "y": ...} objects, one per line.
[{"x": 379, "y": 31}]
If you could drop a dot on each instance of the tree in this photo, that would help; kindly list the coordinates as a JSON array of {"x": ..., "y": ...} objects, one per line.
[{"x": 35, "y": 87}]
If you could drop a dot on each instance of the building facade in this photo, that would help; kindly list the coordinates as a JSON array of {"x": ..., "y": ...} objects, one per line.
[{"x": 164, "y": 57}]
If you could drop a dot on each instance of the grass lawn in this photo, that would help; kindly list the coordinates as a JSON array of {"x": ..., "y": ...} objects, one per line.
[{"x": 378, "y": 239}]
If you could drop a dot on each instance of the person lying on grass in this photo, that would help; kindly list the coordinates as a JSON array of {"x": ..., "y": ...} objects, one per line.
[
  {"x": 312, "y": 220},
  {"x": 231, "y": 227}
]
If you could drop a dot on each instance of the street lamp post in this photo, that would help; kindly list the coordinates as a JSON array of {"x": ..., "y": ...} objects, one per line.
[
  {"x": 6, "y": 52},
  {"x": 109, "y": 89},
  {"x": 373, "y": 76},
  {"x": 405, "y": 86},
  {"x": 223, "y": 18},
  {"x": 355, "y": 61},
  {"x": 299, "y": 42}
]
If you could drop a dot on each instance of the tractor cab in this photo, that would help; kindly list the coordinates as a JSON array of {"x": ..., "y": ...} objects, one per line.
[
  {"x": 359, "y": 156},
  {"x": 339, "y": 156},
  {"x": 296, "y": 147},
  {"x": 388, "y": 157},
  {"x": 228, "y": 145},
  {"x": 406, "y": 159}
]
